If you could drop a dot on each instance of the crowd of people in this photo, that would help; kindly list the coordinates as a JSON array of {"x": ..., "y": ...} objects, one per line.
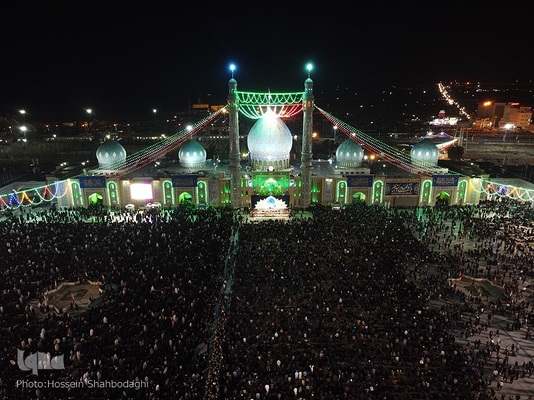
[
  {"x": 153, "y": 328},
  {"x": 358, "y": 303}
]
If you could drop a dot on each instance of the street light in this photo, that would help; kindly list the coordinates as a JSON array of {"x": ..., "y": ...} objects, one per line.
[
  {"x": 23, "y": 113},
  {"x": 335, "y": 133},
  {"x": 23, "y": 129},
  {"x": 154, "y": 111},
  {"x": 89, "y": 112}
]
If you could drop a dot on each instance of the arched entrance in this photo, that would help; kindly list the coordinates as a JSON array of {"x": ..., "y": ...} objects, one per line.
[
  {"x": 356, "y": 197},
  {"x": 95, "y": 199},
  {"x": 185, "y": 198},
  {"x": 271, "y": 187},
  {"x": 443, "y": 199}
]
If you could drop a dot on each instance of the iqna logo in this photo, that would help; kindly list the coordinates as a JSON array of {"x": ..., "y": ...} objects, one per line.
[{"x": 37, "y": 361}]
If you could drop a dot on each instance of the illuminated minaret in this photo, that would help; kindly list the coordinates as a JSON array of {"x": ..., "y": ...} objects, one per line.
[
  {"x": 307, "y": 128},
  {"x": 234, "y": 153}
]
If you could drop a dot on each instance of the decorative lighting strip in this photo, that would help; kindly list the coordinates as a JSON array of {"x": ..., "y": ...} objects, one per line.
[
  {"x": 390, "y": 154},
  {"x": 133, "y": 162},
  {"x": 281, "y": 111},
  {"x": 260, "y": 99}
]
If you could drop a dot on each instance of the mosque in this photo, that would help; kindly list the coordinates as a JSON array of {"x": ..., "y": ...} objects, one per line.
[{"x": 270, "y": 181}]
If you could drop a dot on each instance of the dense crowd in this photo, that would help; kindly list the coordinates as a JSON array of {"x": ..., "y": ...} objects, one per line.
[
  {"x": 352, "y": 304},
  {"x": 166, "y": 268}
]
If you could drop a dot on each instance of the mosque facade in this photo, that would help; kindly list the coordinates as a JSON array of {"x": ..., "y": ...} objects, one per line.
[{"x": 271, "y": 180}]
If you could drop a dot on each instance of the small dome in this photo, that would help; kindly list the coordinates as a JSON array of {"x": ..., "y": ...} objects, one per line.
[
  {"x": 192, "y": 154},
  {"x": 110, "y": 152},
  {"x": 349, "y": 154},
  {"x": 269, "y": 142},
  {"x": 425, "y": 152}
]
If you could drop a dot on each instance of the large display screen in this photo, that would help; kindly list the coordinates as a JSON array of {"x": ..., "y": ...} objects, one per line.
[
  {"x": 270, "y": 184},
  {"x": 141, "y": 191}
]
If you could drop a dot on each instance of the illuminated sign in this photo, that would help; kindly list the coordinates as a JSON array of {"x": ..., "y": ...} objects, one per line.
[
  {"x": 402, "y": 189},
  {"x": 360, "y": 181},
  {"x": 445, "y": 180},
  {"x": 184, "y": 181},
  {"x": 92, "y": 182}
]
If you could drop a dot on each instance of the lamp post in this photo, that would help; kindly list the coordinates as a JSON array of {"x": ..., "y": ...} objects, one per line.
[
  {"x": 23, "y": 113},
  {"x": 23, "y": 129},
  {"x": 154, "y": 111},
  {"x": 89, "y": 112},
  {"x": 335, "y": 133}
]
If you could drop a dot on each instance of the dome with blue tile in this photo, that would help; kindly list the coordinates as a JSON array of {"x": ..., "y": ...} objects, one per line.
[
  {"x": 109, "y": 153},
  {"x": 349, "y": 154},
  {"x": 425, "y": 152},
  {"x": 192, "y": 154}
]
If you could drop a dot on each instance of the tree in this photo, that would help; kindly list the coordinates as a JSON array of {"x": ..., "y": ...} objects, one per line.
[{"x": 455, "y": 153}]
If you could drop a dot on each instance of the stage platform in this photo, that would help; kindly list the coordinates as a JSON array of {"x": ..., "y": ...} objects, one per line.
[{"x": 270, "y": 214}]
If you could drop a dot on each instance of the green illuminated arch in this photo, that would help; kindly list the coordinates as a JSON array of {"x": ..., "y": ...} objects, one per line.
[
  {"x": 359, "y": 196},
  {"x": 443, "y": 198},
  {"x": 185, "y": 198},
  {"x": 202, "y": 192},
  {"x": 95, "y": 199},
  {"x": 113, "y": 194},
  {"x": 378, "y": 187},
  {"x": 168, "y": 193},
  {"x": 426, "y": 190},
  {"x": 76, "y": 195},
  {"x": 341, "y": 192},
  {"x": 461, "y": 193}
]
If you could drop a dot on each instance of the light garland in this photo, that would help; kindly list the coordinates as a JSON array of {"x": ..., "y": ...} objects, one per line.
[
  {"x": 389, "y": 153},
  {"x": 256, "y": 105}
]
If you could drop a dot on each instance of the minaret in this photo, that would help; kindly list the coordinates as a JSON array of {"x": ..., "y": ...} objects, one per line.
[
  {"x": 234, "y": 153},
  {"x": 307, "y": 128}
]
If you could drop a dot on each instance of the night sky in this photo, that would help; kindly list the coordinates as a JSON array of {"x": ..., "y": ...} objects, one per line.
[{"x": 127, "y": 57}]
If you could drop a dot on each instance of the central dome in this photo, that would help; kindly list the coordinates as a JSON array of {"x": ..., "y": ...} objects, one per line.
[{"x": 269, "y": 143}]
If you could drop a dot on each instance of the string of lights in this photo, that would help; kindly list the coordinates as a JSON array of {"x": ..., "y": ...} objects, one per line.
[
  {"x": 389, "y": 153},
  {"x": 58, "y": 189},
  {"x": 255, "y": 105}
]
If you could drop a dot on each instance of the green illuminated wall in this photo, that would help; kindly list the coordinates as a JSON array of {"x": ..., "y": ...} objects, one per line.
[
  {"x": 341, "y": 192},
  {"x": 168, "y": 194},
  {"x": 202, "y": 192},
  {"x": 113, "y": 194},
  {"x": 461, "y": 192},
  {"x": 315, "y": 191},
  {"x": 270, "y": 184},
  {"x": 76, "y": 193},
  {"x": 378, "y": 192},
  {"x": 225, "y": 192},
  {"x": 426, "y": 191}
]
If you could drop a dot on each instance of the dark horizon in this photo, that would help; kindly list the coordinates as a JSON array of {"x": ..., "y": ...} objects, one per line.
[{"x": 126, "y": 58}]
